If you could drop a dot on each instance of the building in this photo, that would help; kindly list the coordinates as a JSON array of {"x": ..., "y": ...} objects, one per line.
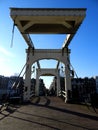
[
  {"x": 33, "y": 84},
  {"x": 3, "y": 86},
  {"x": 42, "y": 88},
  {"x": 10, "y": 86},
  {"x": 82, "y": 88},
  {"x": 96, "y": 78},
  {"x": 53, "y": 87}
]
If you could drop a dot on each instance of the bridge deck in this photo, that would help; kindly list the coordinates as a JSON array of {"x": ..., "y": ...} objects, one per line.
[{"x": 48, "y": 113}]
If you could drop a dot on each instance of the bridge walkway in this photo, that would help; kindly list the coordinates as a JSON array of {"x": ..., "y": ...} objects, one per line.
[{"x": 48, "y": 113}]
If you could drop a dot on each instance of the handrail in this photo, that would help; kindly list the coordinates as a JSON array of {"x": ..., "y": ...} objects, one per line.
[
  {"x": 32, "y": 94},
  {"x": 63, "y": 93},
  {"x": 4, "y": 106}
]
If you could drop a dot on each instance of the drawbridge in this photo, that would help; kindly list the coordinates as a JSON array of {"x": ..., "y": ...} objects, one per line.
[{"x": 47, "y": 21}]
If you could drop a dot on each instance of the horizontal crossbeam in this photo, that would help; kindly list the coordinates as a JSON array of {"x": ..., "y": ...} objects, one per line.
[{"x": 48, "y": 21}]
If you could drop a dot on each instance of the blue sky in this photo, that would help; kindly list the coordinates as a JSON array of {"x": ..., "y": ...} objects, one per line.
[{"x": 84, "y": 46}]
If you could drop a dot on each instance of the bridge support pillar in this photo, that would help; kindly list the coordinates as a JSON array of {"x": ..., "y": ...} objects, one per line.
[
  {"x": 37, "y": 84},
  {"x": 68, "y": 88},
  {"x": 58, "y": 83},
  {"x": 27, "y": 81},
  {"x": 45, "y": 72},
  {"x": 33, "y": 56}
]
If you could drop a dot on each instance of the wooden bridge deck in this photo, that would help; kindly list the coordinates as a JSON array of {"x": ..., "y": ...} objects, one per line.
[{"x": 49, "y": 113}]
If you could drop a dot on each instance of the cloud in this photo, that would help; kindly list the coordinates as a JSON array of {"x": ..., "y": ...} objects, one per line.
[
  {"x": 5, "y": 70},
  {"x": 6, "y": 52},
  {"x": 4, "y": 60}
]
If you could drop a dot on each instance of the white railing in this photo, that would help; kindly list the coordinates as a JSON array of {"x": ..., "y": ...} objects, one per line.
[
  {"x": 4, "y": 106},
  {"x": 64, "y": 94},
  {"x": 32, "y": 93}
]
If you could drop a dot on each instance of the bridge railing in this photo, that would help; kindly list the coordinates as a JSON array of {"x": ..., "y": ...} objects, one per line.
[
  {"x": 4, "y": 106},
  {"x": 32, "y": 93},
  {"x": 63, "y": 94}
]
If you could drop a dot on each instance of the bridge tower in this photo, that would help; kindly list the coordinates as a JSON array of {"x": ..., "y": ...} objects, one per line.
[
  {"x": 47, "y": 72},
  {"x": 47, "y": 21}
]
